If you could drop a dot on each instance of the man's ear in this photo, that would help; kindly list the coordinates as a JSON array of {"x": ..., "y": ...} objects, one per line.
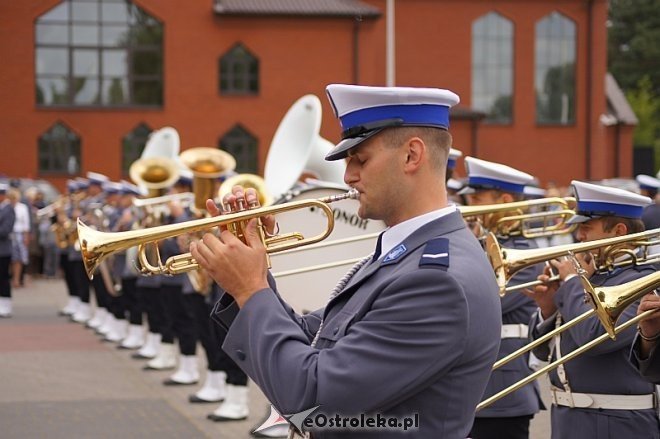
[
  {"x": 506, "y": 197},
  {"x": 620, "y": 229},
  {"x": 415, "y": 153}
]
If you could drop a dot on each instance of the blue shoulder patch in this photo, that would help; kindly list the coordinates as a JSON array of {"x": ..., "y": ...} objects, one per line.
[
  {"x": 436, "y": 253},
  {"x": 395, "y": 254}
]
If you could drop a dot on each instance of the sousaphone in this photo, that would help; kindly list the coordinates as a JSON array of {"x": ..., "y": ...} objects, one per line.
[{"x": 297, "y": 148}]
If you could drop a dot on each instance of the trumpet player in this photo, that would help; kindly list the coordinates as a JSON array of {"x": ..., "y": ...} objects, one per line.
[
  {"x": 61, "y": 227},
  {"x": 414, "y": 328},
  {"x": 493, "y": 183},
  {"x": 597, "y": 394}
]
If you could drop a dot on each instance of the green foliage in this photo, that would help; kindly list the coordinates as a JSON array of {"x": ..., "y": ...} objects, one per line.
[{"x": 634, "y": 60}]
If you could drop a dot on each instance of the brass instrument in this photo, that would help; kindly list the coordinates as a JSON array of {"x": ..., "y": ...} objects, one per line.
[
  {"x": 156, "y": 174},
  {"x": 207, "y": 164},
  {"x": 609, "y": 303},
  {"x": 506, "y": 262},
  {"x": 65, "y": 232},
  {"x": 96, "y": 246},
  {"x": 510, "y": 219},
  {"x": 185, "y": 198},
  {"x": 247, "y": 181}
]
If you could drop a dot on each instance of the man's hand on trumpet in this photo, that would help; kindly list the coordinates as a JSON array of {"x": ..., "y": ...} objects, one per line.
[{"x": 239, "y": 268}]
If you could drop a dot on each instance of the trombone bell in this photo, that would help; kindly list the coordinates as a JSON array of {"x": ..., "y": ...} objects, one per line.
[{"x": 610, "y": 302}]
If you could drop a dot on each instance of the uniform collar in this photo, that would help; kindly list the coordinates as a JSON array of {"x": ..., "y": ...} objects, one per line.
[{"x": 398, "y": 233}]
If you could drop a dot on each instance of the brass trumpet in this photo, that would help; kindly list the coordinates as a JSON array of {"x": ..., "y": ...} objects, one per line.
[
  {"x": 95, "y": 246},
  {"x": 609, "y": 303},
  {"x": 511, "y": 219},
  {"x": 506, "y": 262}
]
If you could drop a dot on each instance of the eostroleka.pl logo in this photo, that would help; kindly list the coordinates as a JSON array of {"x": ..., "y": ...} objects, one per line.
[{"x": 307, "y": 420}]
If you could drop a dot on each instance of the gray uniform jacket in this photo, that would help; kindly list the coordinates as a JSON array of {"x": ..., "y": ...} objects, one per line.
[
  {"x": 7, "y": 218},
  {"x": 604, "y": 369},
  {"x": 415, "y": 332},
  {"x": 649, "y": 367},
  {"x": 516, "y": 309}
]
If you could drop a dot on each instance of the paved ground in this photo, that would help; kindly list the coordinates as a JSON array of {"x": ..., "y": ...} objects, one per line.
[{"x": 58, "y": 380}]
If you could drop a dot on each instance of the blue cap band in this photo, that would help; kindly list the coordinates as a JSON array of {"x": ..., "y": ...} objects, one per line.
[
  {"x": 413, "y": 115},
  {"x": 648, "y": 188},
  {"x": 451, "y": 164},
  {"x": 491, "y": 183},
  {"x": 596, "y": 208}
]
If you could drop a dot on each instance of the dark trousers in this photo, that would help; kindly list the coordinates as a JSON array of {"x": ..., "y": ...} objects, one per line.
[
  {"x": 154, "y": 306},
  {"x": 212, "y": 335},
  {"x": 5, "y": 284},
  {"x": 80, "y": 280},
  {"x": 65, "y": 265},
  {"x": 496, "y": 428},
  {"x": 179, "y": 319},
  {"x": 128, "y": 302},
  {"x": 180, "y": 311},
  {"x": 100, "y": 291}
]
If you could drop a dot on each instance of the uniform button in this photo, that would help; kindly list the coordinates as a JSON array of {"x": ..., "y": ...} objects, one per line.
[{"x": 241, "y": 355}]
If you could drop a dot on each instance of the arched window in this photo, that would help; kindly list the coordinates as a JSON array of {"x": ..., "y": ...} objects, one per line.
[
  {"x": 243, "y": 146},
  {"x": 555, "y": 70},
  {"x": 59, "y": 151},
  {"x": 492, "y": 67},
  {"x": 239, "y": 72},
  {"x": 133, "y": 144},
  {"x": 104, "y": 53}
]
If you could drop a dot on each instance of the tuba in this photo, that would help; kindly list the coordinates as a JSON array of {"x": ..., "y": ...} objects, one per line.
[
  {"x": 156, "y": 174},
  {"x": 250, "y": 181},
  {"x": 206, "y": 164},
  {"x": 298, "y": 149}
]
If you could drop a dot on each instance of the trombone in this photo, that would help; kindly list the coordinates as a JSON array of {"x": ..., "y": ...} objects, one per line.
[
  {"x": 506, "y": 262},
  {"x": 609, "y": 303},
  {"x": 499, "y": 220},
  {"x": 95, "y": 246}
]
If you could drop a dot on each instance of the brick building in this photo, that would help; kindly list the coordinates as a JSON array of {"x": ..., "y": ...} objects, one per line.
[{"x": 84, "y": 81}]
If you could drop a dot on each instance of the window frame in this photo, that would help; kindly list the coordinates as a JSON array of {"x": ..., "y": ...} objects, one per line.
[
  {"x": 572, "y": 122},
  {"x": 130, "y": 48},
  {"x": 512, "y": 67},
  {"x": 241, "y": 130},
  {"x": 230, "y": 57},
  {"x": 69, "y": 132}
]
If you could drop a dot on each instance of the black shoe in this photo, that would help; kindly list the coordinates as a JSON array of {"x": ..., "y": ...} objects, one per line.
[
  {"x": 197, "y": 400},
  {"x": 216, "y": 418}
]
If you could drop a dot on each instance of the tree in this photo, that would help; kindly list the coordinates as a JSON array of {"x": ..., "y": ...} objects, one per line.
[{"x": 634, "y": 42}]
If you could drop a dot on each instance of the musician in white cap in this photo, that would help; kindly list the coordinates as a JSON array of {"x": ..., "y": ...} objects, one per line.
[
  {"x": 7, "y": 218},
  {"x": 597, "y": 394},
  {"x": 492, "y": 183},
  {"x": 649, "y": 187},
  {"x": 415, "y": 327}
]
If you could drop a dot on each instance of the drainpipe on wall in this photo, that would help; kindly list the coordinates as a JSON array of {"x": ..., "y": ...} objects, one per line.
[
  {"x": 590, "y": 84},
  {"x": 356, "y": 49},
  {"x": 390, "y": 79}
]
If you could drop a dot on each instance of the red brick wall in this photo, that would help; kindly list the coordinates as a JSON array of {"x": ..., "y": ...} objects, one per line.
[{"x": 299, "y": 56}]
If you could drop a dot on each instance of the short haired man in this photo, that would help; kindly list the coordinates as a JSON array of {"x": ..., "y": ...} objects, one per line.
[
  {"x": 415, "y": 329},
  {"x": 597, "y": 394}
]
